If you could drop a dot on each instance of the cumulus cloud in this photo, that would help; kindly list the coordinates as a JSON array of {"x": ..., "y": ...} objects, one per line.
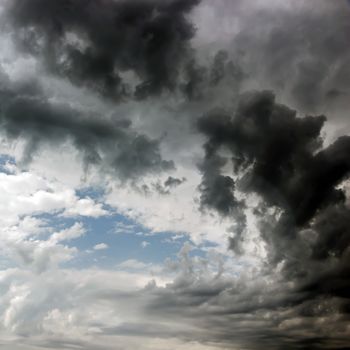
[
  {"x": 75, "y": 231},
  {"x": 25, "y": 193},
  {"x": 28, "y": 239}
]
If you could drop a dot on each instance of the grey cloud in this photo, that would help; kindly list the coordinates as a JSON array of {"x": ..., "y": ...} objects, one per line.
[
  {"x": 218, "y": 78},
  {"x": 111, "y": 144},
  {"x": 249, "y": 314},
  {"x": 217, "y": 191},
  {"x": 169, "y": 184},
  {"x": 202, "y": 304},
  {"x": 94, "y": 42},
  {"x": 300, "y": 49},
  {"x": 279, "y": 157},
  {"x": 173, "y": 181},
  {"x": 272, "y": 147}
]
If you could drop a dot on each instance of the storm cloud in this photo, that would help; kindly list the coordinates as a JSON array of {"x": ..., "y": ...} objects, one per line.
[
  {"x": 272, "y": 146},
  {"x": 93, "y": 43},
  {"x": 278, "y": 156}
]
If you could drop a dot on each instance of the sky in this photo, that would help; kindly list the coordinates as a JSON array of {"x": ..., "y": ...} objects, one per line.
[{"x": 174, "y": 175}]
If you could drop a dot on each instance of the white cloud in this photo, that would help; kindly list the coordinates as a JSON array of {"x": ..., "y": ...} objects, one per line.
[
  {"x": 37, "y": 255},
  {"x": 176, "y": 213},
  {"x": 133, "y": 264},
  {"x": 145, "y": 244},
  {"x": 29, "y": 240},
  {"x": 75, "y": 231},
  {"x": 101, "y": 246},
  {"x": 122, "y": 228},
  {"x": 85, "y": 207},
  {"x": 26, "y": 193}
]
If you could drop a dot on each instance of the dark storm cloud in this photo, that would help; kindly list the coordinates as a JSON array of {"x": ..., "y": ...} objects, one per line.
[
  {"x": 112, "y": 144},
  {"x": 277, "y": 153},
  {"x": 279, "y": 156},
  {"x": 301, "y": 51},
  {"x": 94, "y": 42},
  {"x": 217, "y": 190}
]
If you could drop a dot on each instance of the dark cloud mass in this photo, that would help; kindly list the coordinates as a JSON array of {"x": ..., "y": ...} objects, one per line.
[
  {"x": 279, "y": 156},
  {"x": 279, "y": 150},
  {"x": 94, "y": 42}
]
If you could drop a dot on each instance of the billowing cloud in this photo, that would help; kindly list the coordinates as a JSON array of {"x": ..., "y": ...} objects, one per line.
[
  {"x": 279, "y": 157},
  {"x": 108, "y": 39}
]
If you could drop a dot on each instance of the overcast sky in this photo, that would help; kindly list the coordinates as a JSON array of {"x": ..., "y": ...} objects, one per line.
[{"x": 174, "y": 175}]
